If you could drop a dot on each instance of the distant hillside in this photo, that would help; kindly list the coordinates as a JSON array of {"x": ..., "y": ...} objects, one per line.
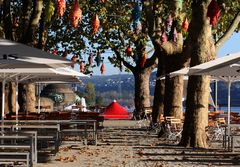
[
  {"x": 117, "y": 82},
  {"x": 124, "y": 84}
]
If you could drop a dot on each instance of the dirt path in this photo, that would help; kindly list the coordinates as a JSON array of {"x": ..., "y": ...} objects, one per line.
[{"x": 126, "y": 146}]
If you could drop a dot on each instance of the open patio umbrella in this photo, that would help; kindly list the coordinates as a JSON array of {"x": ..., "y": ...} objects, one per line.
[
  {"x": 36, "y": 74},
  {"x": 225, "y": 68},
  {"x": 15, "y": 55}
]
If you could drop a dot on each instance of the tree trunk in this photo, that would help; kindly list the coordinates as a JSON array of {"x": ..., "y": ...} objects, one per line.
[
  {"x": 7, "y": 99},
  {"x": 201, "y": 50},
  {"x": 31, "y": 98},
  {"x": 158, "y": 101},
  {"x": 12, "y": 97},
  {"x": 173, "y": 96},
  {"x": 142, "y": 93},
  {"x": 30, "y": 23},
  {"x": 196, "y": 116},
  {"x": 27, "y": 97}
]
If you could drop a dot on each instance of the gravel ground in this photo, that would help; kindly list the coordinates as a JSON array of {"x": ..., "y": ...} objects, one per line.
[{"x": 123, "y": 144}]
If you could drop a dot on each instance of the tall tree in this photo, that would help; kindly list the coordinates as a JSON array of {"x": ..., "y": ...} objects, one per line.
[
  {"x": 177, "y": 54},
  {"x": 202, "y": 48},
  {"x": 90, "y": 94},
  {"x": 122, "y": 31}
]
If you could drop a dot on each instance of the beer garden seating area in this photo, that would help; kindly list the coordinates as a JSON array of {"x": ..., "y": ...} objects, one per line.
[
  {"x": 216, "y": 129},
  {"x": 32, "y": 133},
  {"x": 23, "y": 139}
]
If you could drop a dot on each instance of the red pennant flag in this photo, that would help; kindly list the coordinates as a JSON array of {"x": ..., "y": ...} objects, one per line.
[
  {"x": 102, "y": 69},
  {"x": 185, "y": 25},
  {"x": 213, "y": 12},
  {"x": 75, "y": 14}
]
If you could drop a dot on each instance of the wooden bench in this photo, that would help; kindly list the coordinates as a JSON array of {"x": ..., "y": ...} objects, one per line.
[
  {"x": 86, "y": 126},
  {"x": 16, "y": 157},
  {"x": 49, "y": 133},
  {"x": 80, "y": 126},
  {"x": 15, "y": 146},
  {"x": 33, "y": 134}
]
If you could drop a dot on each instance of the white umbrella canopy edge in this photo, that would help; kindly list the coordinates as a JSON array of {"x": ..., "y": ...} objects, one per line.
[
  {"x": 18, "y": 51},
  {"x": 38, "y": 72},
  {"x": 229, "y": 59}
]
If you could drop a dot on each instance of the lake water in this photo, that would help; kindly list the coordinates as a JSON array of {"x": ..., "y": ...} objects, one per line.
[{"x": 233, "y": 109}]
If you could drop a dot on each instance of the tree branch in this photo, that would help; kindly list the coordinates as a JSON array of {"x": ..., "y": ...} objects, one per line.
[
  {"x": 125, "y": 63},
  {"x": 7, "y": 19},
  {"x": 152, "y": 61},
  {"x": 148, "y": 9},
  {"x": 171, "y": 48},
  {"x": 113, "y": 47},
  {"x": 27, "y": 5},
  {"x": 229, "y": 31},
  {"x": 34, "y": 21}
]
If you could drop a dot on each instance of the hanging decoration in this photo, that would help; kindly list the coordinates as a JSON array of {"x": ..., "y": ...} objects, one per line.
[
  {"x": 75, "y": 14},
  {"x": 143, "y": 61},
  {"x": 213, "y": 12},
  {"x": 65, "y": 53},
  {"x": 90, "y": 59},
  {"x": 178, "y": 4},
  {"x": 129, "y": 50},
  {"x": 102, "y": 69},
  {"x": 54, "y": 52},
  {"x": 95, "y": 23},
  {"x": 49, "y": 11},
  {"x": 136, "y": 16},
  {"x": 185, "y": 25},
  {"x": 138, "y": 29},
  {"x": 74, "y": 58},
  {"x": 163, "y": 38},
  {"x": 98, "y": 58},
  {"x": 174, "y": 35},
  {"x": 82, "y": 66},
  {"x": 15, "y": 21},
  {"x": 168, "y": 25},
  {"x": 61, "y": 7}
]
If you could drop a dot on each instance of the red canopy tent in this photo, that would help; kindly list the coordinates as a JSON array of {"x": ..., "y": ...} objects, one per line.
[{"x": 115, "y": 111}]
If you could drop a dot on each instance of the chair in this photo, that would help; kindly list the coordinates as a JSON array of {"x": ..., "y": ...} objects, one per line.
[
  {"x": 173, "y": 128},
  {"x": 214, "y": 131}
]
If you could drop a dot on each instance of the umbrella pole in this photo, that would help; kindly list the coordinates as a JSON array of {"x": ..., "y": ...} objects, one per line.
[
  {"x": 39, "y": 102},
  {"x": 229, "y": 115},
  {"x": 3, "y": 102},
  {"x": 17, "y": 100},
  {"x": 216, "y": 95}
]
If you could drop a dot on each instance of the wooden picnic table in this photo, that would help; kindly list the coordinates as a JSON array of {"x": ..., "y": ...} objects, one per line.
[
  {"x": 62, "y": 124},
  {"x": 17, "y": 149}
]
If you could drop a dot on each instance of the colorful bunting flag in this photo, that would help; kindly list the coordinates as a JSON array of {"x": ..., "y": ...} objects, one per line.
[
  {"x": 61, "y": 7},
  {"x": 213, "y": 12},
  {"x": 75, "y": 14}
]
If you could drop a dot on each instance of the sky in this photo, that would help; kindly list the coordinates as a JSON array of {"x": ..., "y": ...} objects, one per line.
[{"x": 231, "y": 46}]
